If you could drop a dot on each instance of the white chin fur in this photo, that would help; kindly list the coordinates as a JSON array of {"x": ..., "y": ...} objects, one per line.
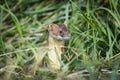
[{"x": 61, "y": 38}]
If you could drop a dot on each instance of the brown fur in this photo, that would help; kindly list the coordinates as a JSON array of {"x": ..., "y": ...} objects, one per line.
[{"x": 57, "y": 35}]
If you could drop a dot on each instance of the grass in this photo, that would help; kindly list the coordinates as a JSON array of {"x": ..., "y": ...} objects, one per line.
[{"x": 94, "y": 26}]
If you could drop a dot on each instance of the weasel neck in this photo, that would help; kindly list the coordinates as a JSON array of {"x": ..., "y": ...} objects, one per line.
[
  {"x": 55, "y": 47},
  {"x": 55, "y": 43}
]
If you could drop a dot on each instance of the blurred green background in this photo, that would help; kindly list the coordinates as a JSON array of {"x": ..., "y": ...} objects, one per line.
[{"x": 93, "y": 24}]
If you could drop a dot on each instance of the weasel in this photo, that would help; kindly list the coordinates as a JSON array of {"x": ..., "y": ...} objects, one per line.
[
  {"x": 54, "y": 48},
  {"x": 57, "y": 35}
]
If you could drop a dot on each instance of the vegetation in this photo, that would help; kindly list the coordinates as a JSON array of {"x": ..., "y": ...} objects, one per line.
[{"x": 93, "y": 24}]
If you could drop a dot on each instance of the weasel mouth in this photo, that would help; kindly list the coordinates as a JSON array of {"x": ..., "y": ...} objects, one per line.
[{"x": 61, "y": 37}]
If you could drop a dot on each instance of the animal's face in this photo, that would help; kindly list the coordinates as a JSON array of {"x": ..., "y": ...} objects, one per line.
[{"x": 59, "y": 32}]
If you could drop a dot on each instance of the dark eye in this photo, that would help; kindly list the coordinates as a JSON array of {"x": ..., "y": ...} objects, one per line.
[{"x": 61, "y": 32}]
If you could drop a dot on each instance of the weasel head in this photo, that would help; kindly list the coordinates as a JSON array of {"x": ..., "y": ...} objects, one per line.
[{"x": 59, "y": 32}]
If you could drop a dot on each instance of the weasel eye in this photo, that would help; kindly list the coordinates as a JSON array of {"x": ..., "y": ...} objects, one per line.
[{"x": 61, "y": 32}]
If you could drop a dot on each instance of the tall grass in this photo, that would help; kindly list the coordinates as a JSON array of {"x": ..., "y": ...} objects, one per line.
[{"x": 94, "y": 26}]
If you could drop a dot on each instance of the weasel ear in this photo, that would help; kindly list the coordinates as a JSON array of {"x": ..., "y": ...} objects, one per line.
[
  {"x": 65, "y": 23},
  {"x": 52, "y": 27}
]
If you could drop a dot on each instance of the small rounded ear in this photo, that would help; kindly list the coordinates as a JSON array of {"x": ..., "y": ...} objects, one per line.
[
  {"x": 65, "y": 23},
  {"x": 52, "y": 27}
]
